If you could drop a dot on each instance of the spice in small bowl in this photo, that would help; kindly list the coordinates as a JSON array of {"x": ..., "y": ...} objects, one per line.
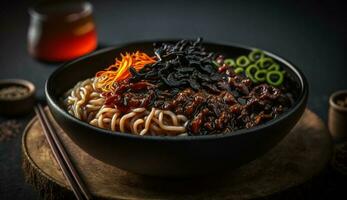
[
  {"x": 16, "y": 96},
  {"x": 338, "y": 115},
  {"x": 342, "y": 102},
  {"x": 13, "y": 92}
]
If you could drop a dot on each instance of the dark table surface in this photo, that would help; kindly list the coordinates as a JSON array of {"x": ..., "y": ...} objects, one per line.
[{"x": 311, "y": 34}]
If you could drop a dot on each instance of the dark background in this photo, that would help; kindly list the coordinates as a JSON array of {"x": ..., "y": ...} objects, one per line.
[{"x": 311, "y": 34}]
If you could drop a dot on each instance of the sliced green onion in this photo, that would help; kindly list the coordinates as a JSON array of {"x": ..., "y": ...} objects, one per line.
[
  {"x": 215, "y": 63},
  {"x": 260, "y": 75},
  {"x": 239, "y": 70},
  {"x": 265, "y": 62},
  {"x": 249, "y": 73},
  {"x": 229, "y": 62},
  {"x": 279, "y": 78},
  {"x": 274, "y": 67},
  {"x": 242, "y": 61},
  {"x": 256, "y": 55}
]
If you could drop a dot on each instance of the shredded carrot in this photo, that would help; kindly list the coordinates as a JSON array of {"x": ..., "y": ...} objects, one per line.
[{"x": 119, "y": 71}]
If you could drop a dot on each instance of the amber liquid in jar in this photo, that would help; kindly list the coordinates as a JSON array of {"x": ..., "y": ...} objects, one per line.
[{"x": 61, "y": 30}]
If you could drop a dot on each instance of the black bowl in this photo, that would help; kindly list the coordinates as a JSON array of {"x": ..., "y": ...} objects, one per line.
[{"x": 169, "y": 156}]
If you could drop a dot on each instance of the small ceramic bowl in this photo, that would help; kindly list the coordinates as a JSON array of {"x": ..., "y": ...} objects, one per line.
[
  {"x": 17, "y": 96},
  {"x": 338, "y": 115}
]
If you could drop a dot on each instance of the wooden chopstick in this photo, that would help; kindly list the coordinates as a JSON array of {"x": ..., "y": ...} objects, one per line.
[{"x": 77, "y": 185}]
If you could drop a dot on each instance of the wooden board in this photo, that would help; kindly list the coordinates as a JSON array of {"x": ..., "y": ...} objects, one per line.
[{"x": 301, "y": 155}]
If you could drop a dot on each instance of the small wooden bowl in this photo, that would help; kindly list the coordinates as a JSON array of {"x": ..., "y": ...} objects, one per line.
[
  {"x": 337, "y": 121},
  {"x": 18, "y": 106}
]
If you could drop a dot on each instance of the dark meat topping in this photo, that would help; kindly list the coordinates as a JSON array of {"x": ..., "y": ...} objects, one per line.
[
  {"x": 220, "y": 113},
  {"x": 128, "y": 96}
]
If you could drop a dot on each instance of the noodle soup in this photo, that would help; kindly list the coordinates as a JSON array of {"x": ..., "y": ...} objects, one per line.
[{"x": 182, "y": 90}]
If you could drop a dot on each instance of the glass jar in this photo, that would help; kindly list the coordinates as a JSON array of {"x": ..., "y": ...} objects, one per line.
[{"x": 61, "y": 30}]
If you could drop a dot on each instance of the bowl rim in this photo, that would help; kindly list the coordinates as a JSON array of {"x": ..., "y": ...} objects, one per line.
[{"x": 298, "y": 103}]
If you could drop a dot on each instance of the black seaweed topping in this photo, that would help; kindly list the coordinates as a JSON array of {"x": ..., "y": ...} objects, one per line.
[{"x": 181, "y": 65}]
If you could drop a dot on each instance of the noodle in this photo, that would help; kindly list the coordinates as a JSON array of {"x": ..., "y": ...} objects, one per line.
[{"x": 87, "y": 103}]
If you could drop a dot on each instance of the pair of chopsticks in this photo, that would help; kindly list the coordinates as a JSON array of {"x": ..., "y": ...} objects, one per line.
[{"x": 69, "y": 171}]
